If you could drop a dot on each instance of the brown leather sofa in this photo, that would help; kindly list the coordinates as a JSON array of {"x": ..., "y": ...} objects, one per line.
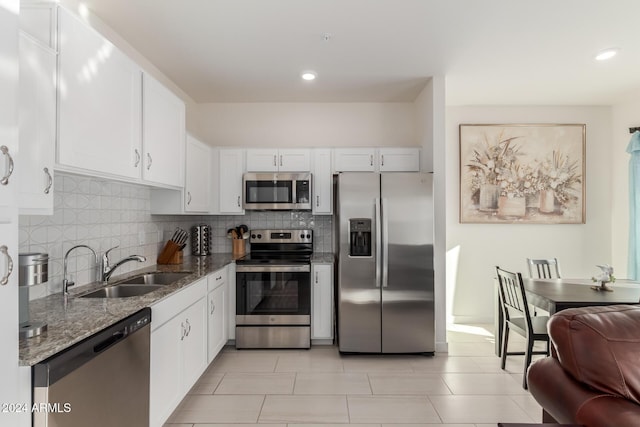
[{"x": 593, "y": 374}]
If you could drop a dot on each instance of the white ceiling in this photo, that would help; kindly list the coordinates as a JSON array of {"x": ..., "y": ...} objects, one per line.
[{"x": 519, "y": 52}]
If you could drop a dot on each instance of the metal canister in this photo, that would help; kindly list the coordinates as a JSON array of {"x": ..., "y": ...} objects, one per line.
[
  {"x": 34, "y": 268},
  {"x": 201, "y": 240}
]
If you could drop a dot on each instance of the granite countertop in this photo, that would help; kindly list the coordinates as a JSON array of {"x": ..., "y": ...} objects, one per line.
[{"x": 73, "y": 319}]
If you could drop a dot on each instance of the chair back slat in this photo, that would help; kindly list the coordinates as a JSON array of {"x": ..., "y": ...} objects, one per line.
[
  {"x": 512, "y": 296},
  {"x": 543, "y": 268}
]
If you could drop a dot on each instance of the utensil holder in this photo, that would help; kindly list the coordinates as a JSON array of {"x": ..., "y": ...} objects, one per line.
[{"x": 238, "y": 247}]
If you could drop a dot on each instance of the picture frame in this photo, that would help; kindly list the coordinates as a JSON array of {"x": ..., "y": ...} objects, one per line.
[{"x": 522, "y": 173}]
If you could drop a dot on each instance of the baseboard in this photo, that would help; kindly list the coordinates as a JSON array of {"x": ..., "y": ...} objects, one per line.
[
  {"x": 442, "y": 347},
  {"x": 470, "y": 320}
]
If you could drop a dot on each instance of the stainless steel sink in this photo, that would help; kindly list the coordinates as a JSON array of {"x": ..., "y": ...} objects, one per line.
[
  {"x": 155, "y": 279},
  {"x": 122, "y": 291}
]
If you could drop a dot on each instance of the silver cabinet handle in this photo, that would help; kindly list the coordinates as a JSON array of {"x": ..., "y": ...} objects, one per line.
[
  {"x": 5, "y": 179},
  {"x": 149, "y": 161},
  {"x": 137, "y": 162},
  {"x": 280, "y": 159},
  {"x": 188, "y": 327},
  {"x": 238, "y": 201},
  {"x": 49, "y": 181},
  {"x": 213, "y": 307},
  {"x": 317, "y": 201},
  {"x": 184, "y": 331},
  {"x": 381, "y": 159},
  {"x": 274, "y": 160},
  {"x": 316, "y": 277},
  {"x": 371, "y": 160},
  {"x": 188, "y": 197},
  {"x": 4, "y": 250}
]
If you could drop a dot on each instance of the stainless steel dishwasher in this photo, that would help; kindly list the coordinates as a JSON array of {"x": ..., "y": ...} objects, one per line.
[{"x": 100, "y": 381}]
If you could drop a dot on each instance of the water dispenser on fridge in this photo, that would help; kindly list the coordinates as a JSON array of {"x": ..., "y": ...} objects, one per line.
[{"x": 360, "y": 237}]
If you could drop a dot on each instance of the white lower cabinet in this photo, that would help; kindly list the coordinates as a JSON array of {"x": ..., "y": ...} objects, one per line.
[
  {"x": 322, "y": 302},
  {"x": 178, "y": 348},
  {"x": 217, "y": 313}
]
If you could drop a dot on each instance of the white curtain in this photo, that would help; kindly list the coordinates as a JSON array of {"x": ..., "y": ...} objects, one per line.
[{"x": 634, "y": 206}]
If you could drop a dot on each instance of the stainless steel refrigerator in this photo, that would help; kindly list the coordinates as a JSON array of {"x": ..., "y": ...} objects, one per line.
[{"x": 385, "y": 299}]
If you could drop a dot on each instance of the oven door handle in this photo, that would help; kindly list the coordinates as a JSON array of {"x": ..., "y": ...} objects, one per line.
[{"x": 306, "y": 268}]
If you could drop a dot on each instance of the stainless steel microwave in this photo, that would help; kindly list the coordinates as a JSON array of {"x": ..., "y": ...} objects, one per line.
[{"x": 277, "y": 191}]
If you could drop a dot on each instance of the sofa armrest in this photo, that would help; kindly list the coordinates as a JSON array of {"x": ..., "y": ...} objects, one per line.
[{"x": 570, "y": 402}]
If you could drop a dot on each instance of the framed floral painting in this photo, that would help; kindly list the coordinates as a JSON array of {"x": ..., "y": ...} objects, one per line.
[{"x": 522, "y": 173}]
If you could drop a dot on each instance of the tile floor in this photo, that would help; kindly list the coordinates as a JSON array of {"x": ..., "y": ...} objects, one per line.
[{"x": 320, "y": 387}]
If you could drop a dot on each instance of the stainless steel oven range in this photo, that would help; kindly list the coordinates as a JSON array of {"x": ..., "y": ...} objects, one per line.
[{"x": 273, "y": 290}]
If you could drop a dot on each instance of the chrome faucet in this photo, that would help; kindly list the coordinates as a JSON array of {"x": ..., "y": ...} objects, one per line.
[
  {"x": 66, "y": 283},
  {"x": 107, "y": 270}
]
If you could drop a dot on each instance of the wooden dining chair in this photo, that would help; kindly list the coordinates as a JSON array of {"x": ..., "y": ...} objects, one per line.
[
  {"x": 543, "y": 268},
  {"x": 516, "y": 317}
]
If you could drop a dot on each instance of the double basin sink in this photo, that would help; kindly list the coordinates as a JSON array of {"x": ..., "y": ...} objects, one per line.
[{"x": 136, "y": 286}]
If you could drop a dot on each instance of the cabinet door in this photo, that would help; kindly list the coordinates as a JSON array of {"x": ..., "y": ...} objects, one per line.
[
  {"x": 37, "y": 119},
  {"x": 322, "y": 182},
  {"x": 399, "y": 159},
  {"x": 99, "y": 101},
  {"x": 198, "y": 169},
  {"x": 262, "y": 160},
  {"x": 165, "y": 370},
  {"x": 163, "y": 133},
  {"x": 217, "y": 321},
  {"x": 10, "y": 384},
  {"x": 194, "y": 344},
  {"x": 354, "y": 159},
  {"x": 322, "y": 308},
  {"x": 39, "y": 21},
  {"x": 294, "y": 160},
  {"x": 230, "y": 169}
]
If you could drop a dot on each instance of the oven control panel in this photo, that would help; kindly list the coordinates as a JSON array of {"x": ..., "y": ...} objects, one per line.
[{"x": 281, "y": 236}]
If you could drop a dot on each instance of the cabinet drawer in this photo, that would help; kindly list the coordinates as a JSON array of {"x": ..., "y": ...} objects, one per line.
[
  {"x": 217, "y": 279},
  {"x": 169, "y": 307}
]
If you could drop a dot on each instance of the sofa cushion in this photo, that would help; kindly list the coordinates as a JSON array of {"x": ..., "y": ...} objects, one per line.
[{"x": 600, "y": 347}]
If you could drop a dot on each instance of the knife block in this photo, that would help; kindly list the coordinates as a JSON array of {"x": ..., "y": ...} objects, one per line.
[{"x": 170, "y": 254}]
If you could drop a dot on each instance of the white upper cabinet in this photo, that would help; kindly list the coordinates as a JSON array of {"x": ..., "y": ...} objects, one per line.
[
  {"x": 399, "y": 159},
  {"x": 99, "y": 101},
  {"x": 354, "y": 159},
  {"x": 377, "y": 160},
  {"x": 163, "y": 134},
  {"x": 278, "y": 160},
  {"x": 39, "y": 21},
  {"x": 230, "y": 168},
  {"x": 197, "y": 191},
  {"x": 322, "y": 182},
  {"x": 37, "y": 121}
]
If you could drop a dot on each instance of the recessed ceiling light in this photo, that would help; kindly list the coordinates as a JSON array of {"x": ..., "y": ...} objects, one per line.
[
  {"x": 309, "y": 75},
  {"x": 605, "y": 54}
]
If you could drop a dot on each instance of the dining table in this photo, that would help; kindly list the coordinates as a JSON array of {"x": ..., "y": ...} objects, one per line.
[{"x": 554, "y": 295}]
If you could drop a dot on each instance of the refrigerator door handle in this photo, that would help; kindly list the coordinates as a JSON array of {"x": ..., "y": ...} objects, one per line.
[
  {"x": 378, "y": 221},
  {"x": 385, "y": 243}
]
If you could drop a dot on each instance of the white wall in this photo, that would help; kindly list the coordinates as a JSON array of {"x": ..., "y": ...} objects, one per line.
[
  {"x": 308, "y": 124},
  {"x": 579, "y": 247},
  {"x": 625, "y": 115}
]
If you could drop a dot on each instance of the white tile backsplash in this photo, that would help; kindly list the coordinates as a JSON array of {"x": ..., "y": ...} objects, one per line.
[{"x": 102, "y": 214}]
